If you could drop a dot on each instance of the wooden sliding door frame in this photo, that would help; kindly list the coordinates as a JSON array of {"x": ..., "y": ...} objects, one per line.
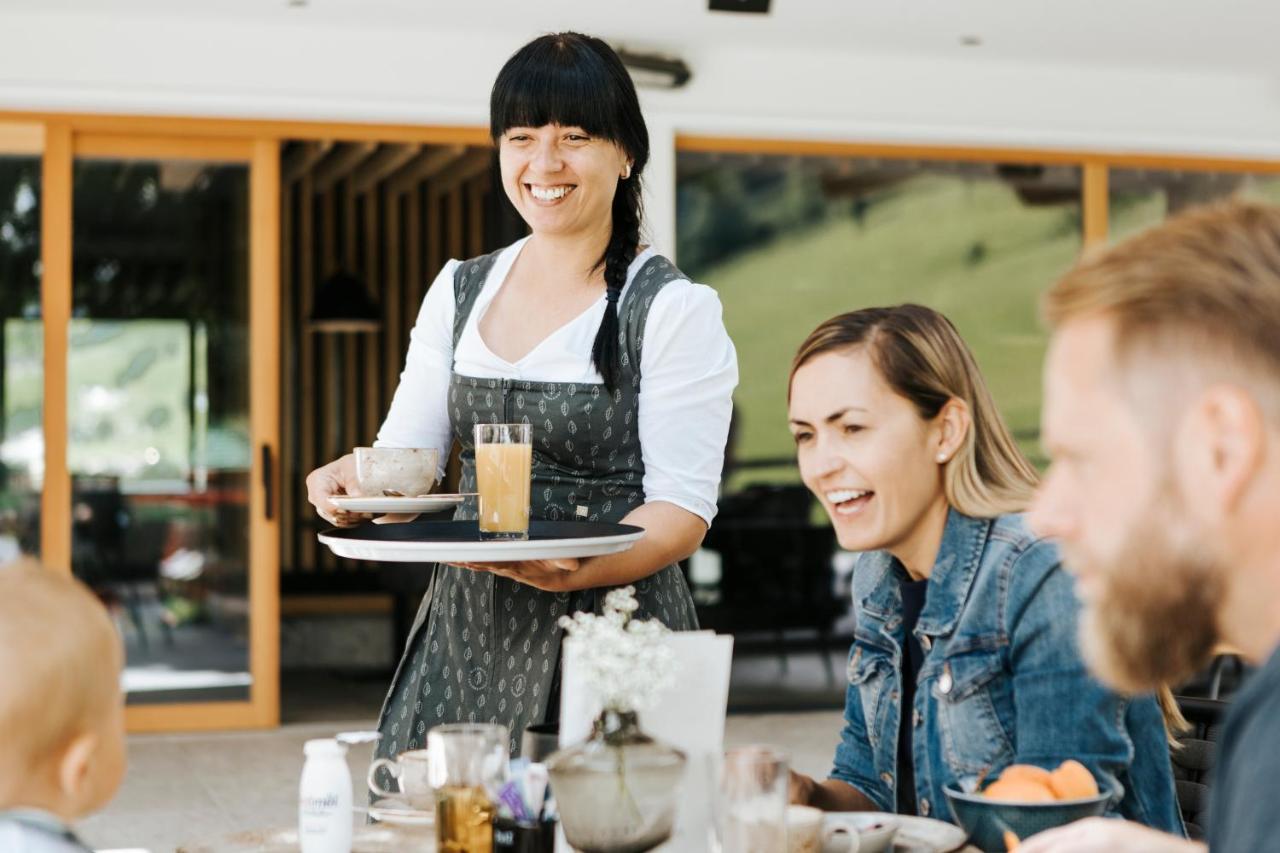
[{"x": 261, "y": 156}]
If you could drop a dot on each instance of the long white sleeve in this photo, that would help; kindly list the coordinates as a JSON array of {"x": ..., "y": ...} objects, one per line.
[
  {"x": 688, "y": 370},
  {"x": 419, "y": 415}
]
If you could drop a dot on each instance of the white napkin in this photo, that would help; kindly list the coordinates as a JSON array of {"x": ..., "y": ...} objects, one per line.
[{"x": 689, "y": 715}]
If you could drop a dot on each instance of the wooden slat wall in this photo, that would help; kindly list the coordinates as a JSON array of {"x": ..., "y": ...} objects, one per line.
[{"x": 392, "y": 214}]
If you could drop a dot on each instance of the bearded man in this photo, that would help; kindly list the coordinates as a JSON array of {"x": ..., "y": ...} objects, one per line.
[{"x": 1162, "y": 419}]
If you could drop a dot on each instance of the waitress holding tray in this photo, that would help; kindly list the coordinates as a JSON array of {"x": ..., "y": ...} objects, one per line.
[{"x": 619, "y": 363}]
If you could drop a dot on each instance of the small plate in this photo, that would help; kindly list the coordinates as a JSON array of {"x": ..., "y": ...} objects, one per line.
[
  {"x": 427, "y": 541},
  {"x": 400, "y": 813},
  {"x": 431, "y": 503},
  {"x": 915, "y": 834}
]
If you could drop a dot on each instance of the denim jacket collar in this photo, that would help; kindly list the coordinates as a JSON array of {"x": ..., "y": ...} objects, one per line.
[{"x": 959, "y": 555}]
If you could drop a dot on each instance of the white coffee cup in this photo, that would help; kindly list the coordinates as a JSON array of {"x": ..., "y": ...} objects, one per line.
[
  {"x": 410, "y": 471},
  {"x": 809, "y": 830},
  {"x": 409, "y": 769}
]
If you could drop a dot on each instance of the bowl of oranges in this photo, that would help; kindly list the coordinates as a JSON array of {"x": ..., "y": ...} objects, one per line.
[{"x": 1026, "y": 799}]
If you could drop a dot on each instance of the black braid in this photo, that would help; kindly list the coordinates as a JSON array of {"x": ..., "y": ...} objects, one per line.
[{"x": 618, "y": 255}]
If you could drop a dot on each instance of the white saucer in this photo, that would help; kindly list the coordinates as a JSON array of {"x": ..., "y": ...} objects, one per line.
[
  {"x": 913, "y": 833},
  {"x": 431, "y": 503},
  {"x": 400, "y": 813}
]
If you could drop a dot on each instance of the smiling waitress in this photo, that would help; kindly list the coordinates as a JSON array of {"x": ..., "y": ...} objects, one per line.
[{"x": 620, "y": 363}]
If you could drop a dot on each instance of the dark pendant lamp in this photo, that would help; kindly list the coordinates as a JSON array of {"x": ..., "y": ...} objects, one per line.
[{"x": 342, "y": 304}]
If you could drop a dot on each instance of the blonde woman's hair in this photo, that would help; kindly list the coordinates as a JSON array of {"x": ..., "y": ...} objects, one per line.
[{"x": 923, "y": 358}]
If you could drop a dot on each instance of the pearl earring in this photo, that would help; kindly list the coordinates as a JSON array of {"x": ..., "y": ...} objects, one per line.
[
  {"x": 627, "y": 173},
  {"x": 942, "y": 457}
]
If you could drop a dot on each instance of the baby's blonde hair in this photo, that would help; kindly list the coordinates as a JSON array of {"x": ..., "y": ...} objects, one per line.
[{"x": 59, "y": 665}]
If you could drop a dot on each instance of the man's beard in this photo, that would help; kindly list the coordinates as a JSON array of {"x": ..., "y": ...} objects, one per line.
[{"x": 1154, "y": 619}]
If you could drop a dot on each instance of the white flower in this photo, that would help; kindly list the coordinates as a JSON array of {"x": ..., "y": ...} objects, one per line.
[{"x": 624, "y": 660}]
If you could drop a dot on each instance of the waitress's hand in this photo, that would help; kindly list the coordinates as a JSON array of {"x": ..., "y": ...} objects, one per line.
[
  {"x": 546, "y": 575},
  {"x": 336, "y": 478}
]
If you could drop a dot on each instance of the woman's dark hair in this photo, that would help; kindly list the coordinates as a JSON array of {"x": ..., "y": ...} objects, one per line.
[{"x": 576, "y": 80}]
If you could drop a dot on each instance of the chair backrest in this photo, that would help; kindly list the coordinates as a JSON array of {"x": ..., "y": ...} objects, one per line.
[{"x": 1194, "y": 758}]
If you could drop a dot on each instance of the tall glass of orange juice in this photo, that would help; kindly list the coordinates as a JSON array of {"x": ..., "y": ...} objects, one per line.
[{"x": 504, "y": 457}]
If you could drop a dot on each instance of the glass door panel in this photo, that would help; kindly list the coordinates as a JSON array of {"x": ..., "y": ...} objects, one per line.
[
  {"x": 21, "y": 356},
  {"x": 159, "y": 442}
]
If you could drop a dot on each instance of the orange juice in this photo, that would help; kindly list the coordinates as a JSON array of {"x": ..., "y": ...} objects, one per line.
[
  {"x": 464, "y": 820},
  {"x": 503, "y": 474}
]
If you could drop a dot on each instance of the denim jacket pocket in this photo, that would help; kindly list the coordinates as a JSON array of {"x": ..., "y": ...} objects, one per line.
[
  {"x": 973, "y": 738},
  {"x": 869, "y": 673}
]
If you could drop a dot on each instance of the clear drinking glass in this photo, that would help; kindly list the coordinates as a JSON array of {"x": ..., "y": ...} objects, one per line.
[
  {"x": 750, "y": 803},
  {"x": 468, "y": 763},
  {"x": 504, "y": 460}
]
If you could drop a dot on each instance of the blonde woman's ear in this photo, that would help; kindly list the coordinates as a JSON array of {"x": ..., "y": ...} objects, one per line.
[{"x": 956, "y": 423}]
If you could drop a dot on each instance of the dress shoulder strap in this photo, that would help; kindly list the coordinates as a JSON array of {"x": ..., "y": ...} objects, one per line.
[
  {"x": 633, "y": 313},
  {"x": 468, "y": 281}
]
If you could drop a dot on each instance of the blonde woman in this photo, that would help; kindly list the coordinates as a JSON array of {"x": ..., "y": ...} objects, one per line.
[{"x": 964, "y": 659}]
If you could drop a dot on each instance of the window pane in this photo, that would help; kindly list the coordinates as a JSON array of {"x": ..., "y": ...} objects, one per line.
[
  {"x": 791, "y": 241},
  {"x": 21, "y": 358},
  {"x": 159, "y": 419},
  {"x": 1140, "y": 198}
]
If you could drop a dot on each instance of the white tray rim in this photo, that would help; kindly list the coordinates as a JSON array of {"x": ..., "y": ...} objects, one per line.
[{"x": 496, "y": 551}]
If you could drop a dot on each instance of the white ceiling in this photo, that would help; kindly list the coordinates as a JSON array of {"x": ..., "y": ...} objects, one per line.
[{"x": 1234, "y": 36}]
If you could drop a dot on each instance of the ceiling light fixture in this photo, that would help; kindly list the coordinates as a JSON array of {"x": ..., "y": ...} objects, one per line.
[
  {"x": 655, "y": 70},
  {"x": 757, "y": 7},
  {"x": 342, "y": 304}
]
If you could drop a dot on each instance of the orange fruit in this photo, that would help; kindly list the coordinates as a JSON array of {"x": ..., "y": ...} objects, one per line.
[
  {"x": 1017, "y": 790},
  {"x": 1026, "y": 771},
  {"x": 1072, "y": 781}
]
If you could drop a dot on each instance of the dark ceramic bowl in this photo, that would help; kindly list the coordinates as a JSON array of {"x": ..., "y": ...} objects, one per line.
[{"x": 986, "y": 820}]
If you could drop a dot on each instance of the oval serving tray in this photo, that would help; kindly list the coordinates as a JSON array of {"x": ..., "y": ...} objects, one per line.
[{"x": 425, "y": 541}]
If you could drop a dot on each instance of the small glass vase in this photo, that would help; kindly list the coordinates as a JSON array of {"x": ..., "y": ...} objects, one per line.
[{"x": 617, "y": 791}]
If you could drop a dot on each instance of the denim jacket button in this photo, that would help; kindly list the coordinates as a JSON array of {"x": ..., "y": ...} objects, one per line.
[
  {"x": 944, "y": 681},
  {"x": 887, "y": 778},
  {"x": 916, "y": 718},
  {"x": 926, "y": 642},
  {"x": 924, "y": 808}
]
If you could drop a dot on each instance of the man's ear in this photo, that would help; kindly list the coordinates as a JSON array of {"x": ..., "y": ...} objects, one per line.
[{"x": 1223, "y": 442}]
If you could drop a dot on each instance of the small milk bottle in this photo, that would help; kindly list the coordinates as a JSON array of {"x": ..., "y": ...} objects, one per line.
[{"x": 324, "y": 799}]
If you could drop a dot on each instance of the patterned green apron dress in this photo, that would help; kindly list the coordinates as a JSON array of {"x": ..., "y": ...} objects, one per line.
[{"x": 487, "y": 649}]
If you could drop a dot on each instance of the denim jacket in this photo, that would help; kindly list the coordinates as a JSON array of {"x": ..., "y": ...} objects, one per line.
[{"x": 1002, "y": 680}]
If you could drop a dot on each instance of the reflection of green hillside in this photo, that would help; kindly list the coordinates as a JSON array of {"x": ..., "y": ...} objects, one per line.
[
  {"x": 130, "y": 385},
  {"x": 969, "y": 248}
]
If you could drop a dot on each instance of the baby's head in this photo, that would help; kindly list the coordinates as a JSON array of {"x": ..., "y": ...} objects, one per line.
[{"x": 61, "y": 709}]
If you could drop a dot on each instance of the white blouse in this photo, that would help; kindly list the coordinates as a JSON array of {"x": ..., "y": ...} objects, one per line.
[{"x": 688, "y": 370}]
